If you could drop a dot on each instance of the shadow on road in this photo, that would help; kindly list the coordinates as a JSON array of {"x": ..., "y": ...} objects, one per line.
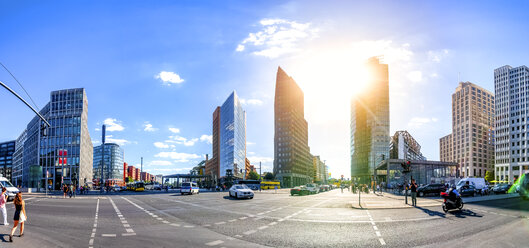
[
  {"x": 227, "y": 197},
  {"x": 4, "y": 239},
  {"x": 517, "y": 204},
  {"x": 432, "y": 213},
  {"x": 465, "y": 213}
]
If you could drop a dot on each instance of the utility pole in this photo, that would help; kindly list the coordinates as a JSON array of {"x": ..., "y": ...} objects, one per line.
[
  {"x": 101, "y": 184},
  {"x": 260, "y": 175}
]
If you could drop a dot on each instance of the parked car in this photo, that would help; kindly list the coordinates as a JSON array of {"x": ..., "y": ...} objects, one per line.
[
  {"x": 478, "y": 183},
  {"x": 431, "y": 189},
  {"x": 468, "y": 190},
  {"x": 300, "y": 190},
  {"x": 324, "y": 188},
  {"x": 313, "y": 188},
  {"x": 501, "y": 188},
  {"x": 189, "y": 188},
  {"x": 11, "y": 190},
  {"x": 241, "y": 191}
]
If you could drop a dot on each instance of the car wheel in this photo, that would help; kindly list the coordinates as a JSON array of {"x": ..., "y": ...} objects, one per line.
[
  {"x": 237, "y": 195},
  {"x": 421, "y": 194},
  {"x": 181, "y": 193},
  {"x": 291, "y": 194},
  {"x": 474, "y": 194},
  {"x": 251, "y": 197}
]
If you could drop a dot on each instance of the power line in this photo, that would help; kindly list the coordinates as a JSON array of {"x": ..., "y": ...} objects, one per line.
[{"x": 20, "y": 85}]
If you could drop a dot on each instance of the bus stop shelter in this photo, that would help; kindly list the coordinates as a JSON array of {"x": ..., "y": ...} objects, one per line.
[{"x": 177, "y": 179}]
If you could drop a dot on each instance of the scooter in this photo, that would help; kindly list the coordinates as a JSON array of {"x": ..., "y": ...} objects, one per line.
[{"x": 448, "y": 204}]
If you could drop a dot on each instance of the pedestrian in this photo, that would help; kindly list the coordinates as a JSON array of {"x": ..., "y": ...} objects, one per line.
[
  {"x": 413, "y": 188},
  {"x": 65, "y": 190},
  {"x": 74, "y": 191},
  {"x": 20, "y": 216},
  {"x": 70, "y": 190},
  {"x": 3, "y": 200}
]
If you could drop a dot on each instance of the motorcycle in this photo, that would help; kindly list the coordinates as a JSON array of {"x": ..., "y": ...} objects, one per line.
[{"x": 449, "y": 204}]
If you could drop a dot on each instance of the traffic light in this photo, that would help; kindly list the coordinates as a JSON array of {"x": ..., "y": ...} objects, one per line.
[{"x": 406, "y": 166}]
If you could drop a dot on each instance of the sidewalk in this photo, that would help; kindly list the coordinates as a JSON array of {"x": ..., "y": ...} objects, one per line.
[{"x": 392, "y": 201}]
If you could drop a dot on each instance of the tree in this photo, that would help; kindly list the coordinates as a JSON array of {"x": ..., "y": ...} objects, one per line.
[
  {"x": 489, "y": 176},
  {"x": 269, "y": 176},
  {"x": 253, "y": 175}
]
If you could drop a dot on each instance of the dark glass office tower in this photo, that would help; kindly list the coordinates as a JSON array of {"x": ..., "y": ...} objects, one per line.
[
  {"x": 292, "y": 158},
  {"x": 7, "y": 149},
  {"x": 370, "y": 123}
]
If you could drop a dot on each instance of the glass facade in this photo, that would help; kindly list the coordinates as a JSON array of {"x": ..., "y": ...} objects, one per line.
[
  {"x": 64, "y": 155},
  {"x": 113, "y": 168},
  {"x": 7, "y": 150},
  {"x": 232, "y": 136},
  {"x": 370, "y": 138}
]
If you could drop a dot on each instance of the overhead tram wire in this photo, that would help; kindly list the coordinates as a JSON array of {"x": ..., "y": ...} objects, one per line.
[{"x": 36, "y": 106}]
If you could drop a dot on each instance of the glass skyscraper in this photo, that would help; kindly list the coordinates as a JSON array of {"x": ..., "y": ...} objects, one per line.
[
  {"x": 113, "y": 169},
  {"x": 232, "y": 137},
  {"x": 7, "y": 149},
  {"x": 370, "y": 138},
  {"x": 64, "y": 155}
]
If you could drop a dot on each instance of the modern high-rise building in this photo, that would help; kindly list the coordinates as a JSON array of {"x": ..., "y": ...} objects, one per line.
[
  {"x": 229, "y": 139},
  {"x": 446, "y": 149},
  {"x": 370, "y": 123},
  {"x": 7, "y": 150},
  {"x": 293, "y": 163},
  {"x": 472, "y": 131},
  {"x": 404, "y": 146},
  {"x": 18, "y": 159},
  {"x": 512, "y": 124},
  {"x": 319, "y": 170},
  {"x": 113, "y": 166},
  {"x": 64, "y": 155},
  {"x": 213, "y": 165}
]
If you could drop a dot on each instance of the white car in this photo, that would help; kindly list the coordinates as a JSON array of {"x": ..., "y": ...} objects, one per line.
[
  {"x": 11, "y": 190},
  {"x": 189, "y": 188},
  {"x": 313, "y": 188},
  {"x": 241, "y": 191}
]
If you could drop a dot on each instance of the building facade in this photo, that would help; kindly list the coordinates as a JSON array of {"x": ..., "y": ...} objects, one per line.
[
  {"x": 18, "y": 159},
  {"x": 370, "y": 124},
  {"x": 404, "y": 146},
  {"x": 213, "y": 165},
  {"x": 319, "y": 170},
  {"x": 7, "y": 150},
  {"x": 113, "y": 163},
  {"x": 64, "y": 155},
  {"x": 446, "y": 149},
  {"x": 293, "y": 163},
  {"x": 472, "y": 135},
  {"x": 232, "y": 135},
  {"x": 511, "y": 86}
]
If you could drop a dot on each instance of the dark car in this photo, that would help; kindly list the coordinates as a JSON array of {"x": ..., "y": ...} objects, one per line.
[
  {"x": 431, "y": 189},
  {"x": 468, "y": 190},
  {"x": 501, "y": 188},
  {"x": 301, "y": 190}
]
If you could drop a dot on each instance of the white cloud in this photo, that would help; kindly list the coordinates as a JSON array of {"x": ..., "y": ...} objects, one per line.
[
  {"x": 113, "y": 125},
  {"x": 277, "y": 37},
  {"x": 249, "y": 143},
  {"x": 161, "y": 145},
  {"x": 169, "y": 77},
  {"x": 160, "y": 163},
  {"x": 207, "y": 138},
  {"x": 417, "y": 122},
  {"x": 415, "y": 76},
  {"x": 174, "y": 130},
  {"x": 177, "y": 156},
  {"x": 148, "y": 127},
  {"x": 121, "y": 142},
  {"x": 437, "y": 56},
  {"x": 182, "y": 140},
  {"x": 255, "y": 102}
]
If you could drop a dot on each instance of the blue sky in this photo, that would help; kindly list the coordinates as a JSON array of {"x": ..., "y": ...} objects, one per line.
[{"x": 155, "y": 70}]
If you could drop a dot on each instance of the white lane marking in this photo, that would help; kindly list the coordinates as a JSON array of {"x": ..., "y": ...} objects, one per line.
[
  {"x": 262, "y": 227},
  {"x": 175, "y": 224},
  {"x": 238, "y": 236},
  {"x": 93, "y": 234},
  {"x": 206, "y": 225},
  {"x": 220, "y": 223},
  {"x": 375, "y": 227},
  {"x": 243, "y": 218},
  {"x": 189, "y": 226},
  {"x": 166, "y": 222},
  {"x": 128, "y": 234},
  {"x": 249, "y": 232},
  {"x": 216, "y": 242},
  {"x": 378, "y": 233},
  {"x": 232, "y": 220},
  {"x": 126, "y": 226},
  {"x": 108, "y": 235},
  {"x": 382, "y": 242},
  {"x": 273, "y": 223}
]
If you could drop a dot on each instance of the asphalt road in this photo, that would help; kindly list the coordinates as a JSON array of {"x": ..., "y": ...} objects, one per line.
[{"x": 268, "y": 220}]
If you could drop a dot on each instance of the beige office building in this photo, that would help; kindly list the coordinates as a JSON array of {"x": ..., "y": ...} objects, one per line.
[{"x": 472, "y": 138}]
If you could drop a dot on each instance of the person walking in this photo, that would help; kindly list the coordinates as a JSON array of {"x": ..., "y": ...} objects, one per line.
[
  {"x": 20, "y": 216},
  {"x": 413, "y": 188},
  {"x": 65, "y": 190},
  {"x": 70, "y": 190},
  {"x": 3, "y": 200}
]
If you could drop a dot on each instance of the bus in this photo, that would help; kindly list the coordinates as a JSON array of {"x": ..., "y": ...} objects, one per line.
[
  {"x": 252, "y": 184},
  {"x": 136, "y": 186},
  {"x": 270, "y": 185}
]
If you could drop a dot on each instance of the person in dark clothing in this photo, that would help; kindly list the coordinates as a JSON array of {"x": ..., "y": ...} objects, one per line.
[
  {"x": 413, "y": 188},
  {"x": 20, "y": 216}
]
